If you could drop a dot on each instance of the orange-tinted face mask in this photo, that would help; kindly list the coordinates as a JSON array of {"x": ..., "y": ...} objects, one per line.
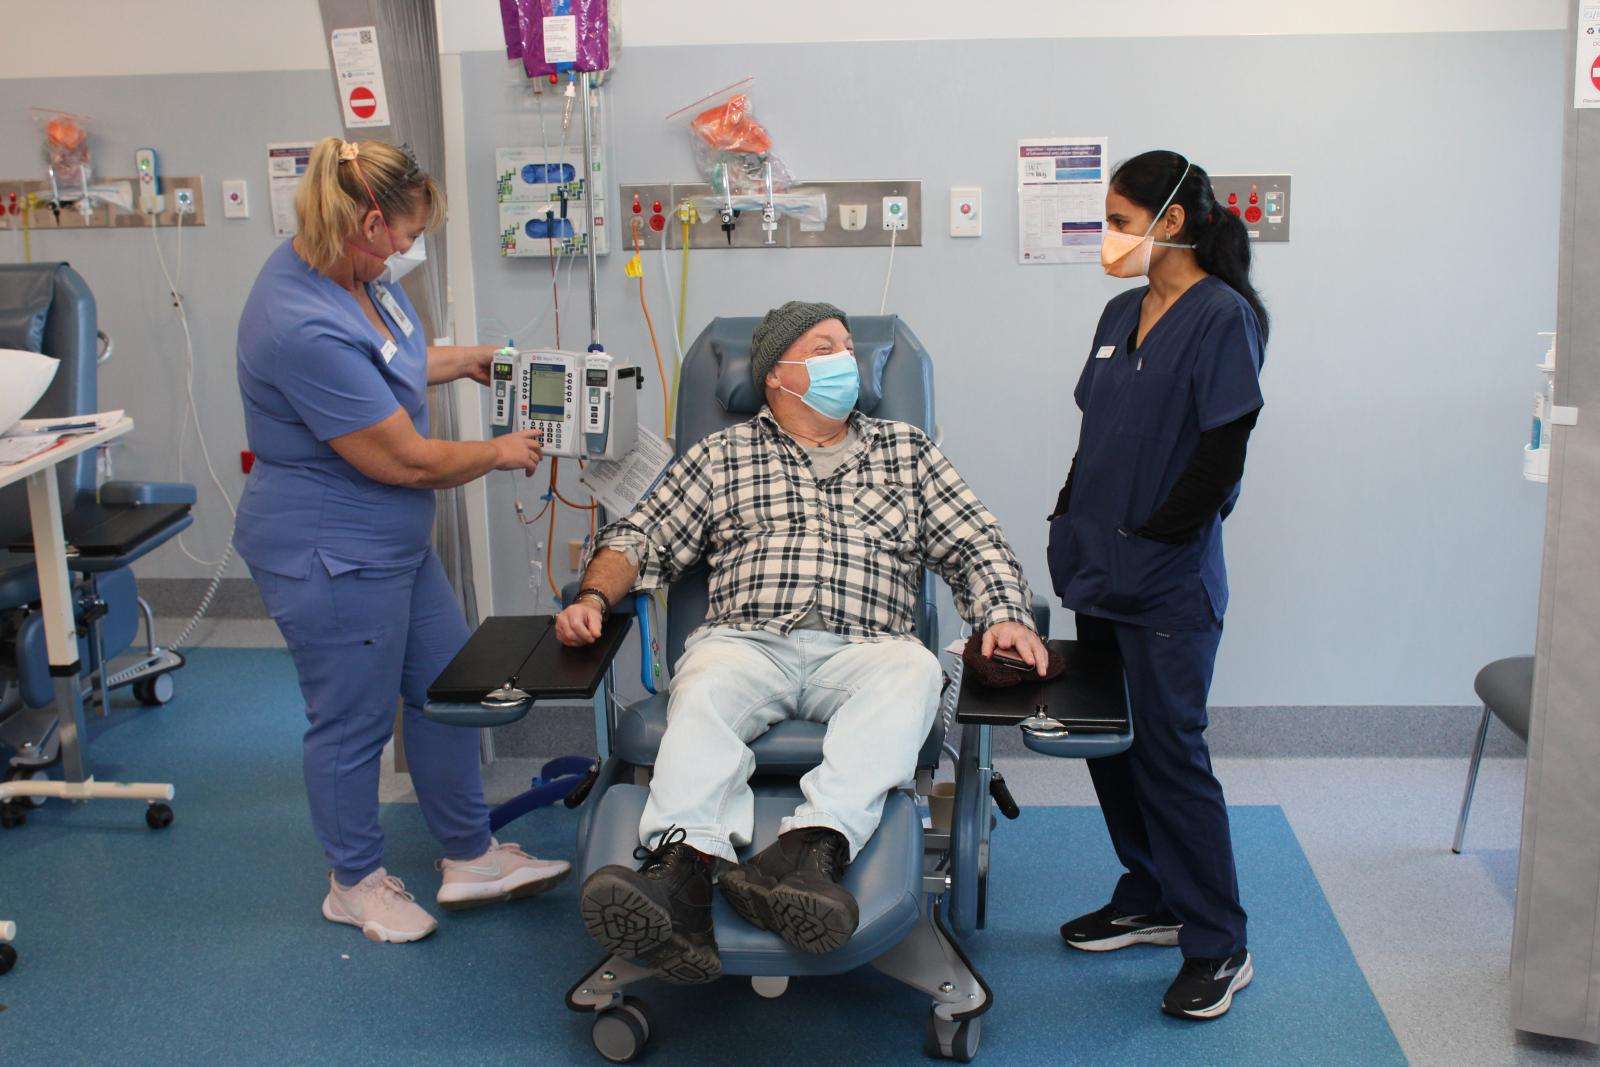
[{"x": 1126, "y": 255}]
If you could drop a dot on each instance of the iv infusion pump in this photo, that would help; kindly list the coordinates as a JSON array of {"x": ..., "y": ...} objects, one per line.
[{"x": 585, "y": 403}]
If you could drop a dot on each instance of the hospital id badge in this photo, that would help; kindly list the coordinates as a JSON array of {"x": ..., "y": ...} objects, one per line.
[
  {"x": 1106, "y": 352},
  {"x": 387, "y": 352},
  {"x": 392, "y": 306}
]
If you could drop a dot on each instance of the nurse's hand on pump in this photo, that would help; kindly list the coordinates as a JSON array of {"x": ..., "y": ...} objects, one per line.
[
  {"x": 476, "y": 360},
  {"x": 519, "y": 451},
  {"x": 1015, "y": 639},
  {"x": 449, "y": 363}
]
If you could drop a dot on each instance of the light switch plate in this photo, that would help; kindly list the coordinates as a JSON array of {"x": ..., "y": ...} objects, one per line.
[
  {"x": 235, "y": 199},
  {"x": 966, "y": 211}
]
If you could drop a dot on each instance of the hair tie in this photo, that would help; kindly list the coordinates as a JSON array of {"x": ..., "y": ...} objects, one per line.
[{"x": 348, "y": 151}]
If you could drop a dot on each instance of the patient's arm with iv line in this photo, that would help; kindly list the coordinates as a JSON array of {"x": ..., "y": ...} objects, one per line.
[{"x": 611, "y": 574}]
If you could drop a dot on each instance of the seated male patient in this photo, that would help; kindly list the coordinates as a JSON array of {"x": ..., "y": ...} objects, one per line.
[{"x": 817, "y": 522}]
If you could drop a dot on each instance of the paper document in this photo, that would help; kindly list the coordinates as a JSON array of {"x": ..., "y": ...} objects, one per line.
[
  {"x": 30, "y": 437},
  {"x": 286, "y": 162},
  {"x": 620, "y": 484},
  {"x": 1061, "y": 198}
]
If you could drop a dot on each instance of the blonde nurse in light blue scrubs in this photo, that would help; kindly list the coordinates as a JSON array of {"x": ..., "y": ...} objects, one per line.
[{"x": 336, "y": 523}]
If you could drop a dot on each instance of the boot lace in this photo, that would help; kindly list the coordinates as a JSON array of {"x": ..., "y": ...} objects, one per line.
[{"x": 655, "y": 859}]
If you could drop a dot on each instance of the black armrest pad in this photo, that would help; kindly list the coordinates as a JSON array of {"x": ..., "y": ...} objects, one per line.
[
  {"x": 524, "y": 649},
  {"x": 1091, "y": 697},
  {"x": 98, "y": 530}
]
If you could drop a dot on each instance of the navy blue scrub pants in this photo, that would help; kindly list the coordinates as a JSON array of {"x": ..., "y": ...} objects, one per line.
[
  {"x": 364, "y": 641},
  {"x": 1163, "y": 805}
]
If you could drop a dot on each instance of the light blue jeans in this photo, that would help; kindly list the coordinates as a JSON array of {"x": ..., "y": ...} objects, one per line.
[{"x": 877, "y": 698}]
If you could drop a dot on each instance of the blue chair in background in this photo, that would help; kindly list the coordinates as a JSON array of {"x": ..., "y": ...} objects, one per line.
[{"x": 48, "y": 308}]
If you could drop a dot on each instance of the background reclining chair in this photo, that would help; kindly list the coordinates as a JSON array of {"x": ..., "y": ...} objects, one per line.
[
  {"x": 48, "y": 308},
  {"x": 918, "y": 891}
]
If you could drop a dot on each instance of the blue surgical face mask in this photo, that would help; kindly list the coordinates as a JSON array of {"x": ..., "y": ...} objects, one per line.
[{"x": 835, "y": 384}]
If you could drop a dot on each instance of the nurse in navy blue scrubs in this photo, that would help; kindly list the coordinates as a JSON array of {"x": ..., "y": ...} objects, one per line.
[{"x": 1169, "y": 395}]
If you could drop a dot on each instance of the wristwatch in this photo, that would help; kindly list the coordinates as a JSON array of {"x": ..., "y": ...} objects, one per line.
[{"x": 597, "y": 597}]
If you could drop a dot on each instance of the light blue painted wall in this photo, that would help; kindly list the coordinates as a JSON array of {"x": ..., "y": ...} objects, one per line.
[
  {"x": 216, "y": 126},
  {"x": 1386, "y": 546}
]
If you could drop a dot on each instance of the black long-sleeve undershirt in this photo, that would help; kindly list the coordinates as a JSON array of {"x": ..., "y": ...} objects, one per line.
[{"x": 1200, "y": 491}]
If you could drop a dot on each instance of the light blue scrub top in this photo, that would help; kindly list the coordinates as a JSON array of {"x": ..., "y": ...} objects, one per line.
[
  {"x": 1143, "y": 414},
  {"x": 311, "y": 368}
]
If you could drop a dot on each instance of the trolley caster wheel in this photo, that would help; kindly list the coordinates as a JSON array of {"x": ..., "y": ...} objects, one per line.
[
  {"x": 620, "y": 1033},
  {"x": 154, "y": 691},
  {"x": 963, "y": 1045},
  {"x": 8, "y": 958},
  {"x": 25, "y": 774},
  {"x": 158, "y": 816},
  {"x": 12, "y": 815}
]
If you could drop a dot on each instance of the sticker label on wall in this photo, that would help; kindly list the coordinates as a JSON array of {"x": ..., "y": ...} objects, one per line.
[
  {"x": 358, "y": 76},
  {"x": 561, "y": 39},
  {"x": 1586, "y": 79}
]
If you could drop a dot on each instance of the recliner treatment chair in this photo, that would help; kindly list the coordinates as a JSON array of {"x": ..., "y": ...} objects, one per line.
[
  {"x": 48, "y": 308},
  {"x": 918, "y": 892}
]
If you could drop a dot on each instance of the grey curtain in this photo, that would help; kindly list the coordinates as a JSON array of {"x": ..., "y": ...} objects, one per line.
[{"x": 409, "y": 45}]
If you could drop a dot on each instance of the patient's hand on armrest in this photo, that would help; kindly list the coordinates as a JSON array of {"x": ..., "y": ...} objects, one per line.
[{"x": 612, "y": 575}]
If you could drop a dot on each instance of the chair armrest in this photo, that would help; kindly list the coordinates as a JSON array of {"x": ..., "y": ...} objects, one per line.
[
  {"x": 1041, "y": 616},
  {"x": 129, "y": 493},
  {"x": 638, "y": 604}
]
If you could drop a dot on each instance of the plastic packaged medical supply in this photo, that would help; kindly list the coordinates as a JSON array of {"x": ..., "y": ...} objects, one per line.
[
  {"x": 66, "y": 144},
  {"x": 563, "y": 35},
  {"x": 732, "y": 149}
]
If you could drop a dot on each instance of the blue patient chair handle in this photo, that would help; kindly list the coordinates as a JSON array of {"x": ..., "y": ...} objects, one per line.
[{"x": 647, "y": 659}]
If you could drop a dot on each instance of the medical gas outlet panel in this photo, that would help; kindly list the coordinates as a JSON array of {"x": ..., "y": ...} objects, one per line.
[
  {"x": 1260, "y": 201},
  {"x": 585, "y": 404}
]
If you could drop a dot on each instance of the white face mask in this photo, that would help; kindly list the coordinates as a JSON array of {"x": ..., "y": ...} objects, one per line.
[{"x": 400, "y": 264}]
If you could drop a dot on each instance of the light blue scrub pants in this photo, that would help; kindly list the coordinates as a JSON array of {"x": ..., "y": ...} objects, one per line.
[{"x": 362, "y": 641}]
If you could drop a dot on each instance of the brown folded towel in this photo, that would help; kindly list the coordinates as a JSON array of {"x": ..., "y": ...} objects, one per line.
[{"x": 1000, "y": 676}]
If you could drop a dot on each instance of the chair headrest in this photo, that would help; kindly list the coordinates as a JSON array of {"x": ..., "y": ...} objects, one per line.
[
  {"x": 738, "y": 395},
  {"x": 26, "y": 293}
]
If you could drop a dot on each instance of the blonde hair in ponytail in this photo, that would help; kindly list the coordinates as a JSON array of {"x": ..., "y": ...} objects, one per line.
[{"x": 332, "y": 201}]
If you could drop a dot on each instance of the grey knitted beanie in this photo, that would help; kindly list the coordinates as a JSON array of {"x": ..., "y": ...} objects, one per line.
[{"x": 780, "y": 328}]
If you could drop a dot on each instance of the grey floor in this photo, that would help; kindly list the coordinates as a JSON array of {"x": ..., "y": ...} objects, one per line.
[{"x": 1431, "y": 930}]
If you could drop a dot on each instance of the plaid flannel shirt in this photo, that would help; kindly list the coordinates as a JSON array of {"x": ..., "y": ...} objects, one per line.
[{"x": 853, "y": 545}]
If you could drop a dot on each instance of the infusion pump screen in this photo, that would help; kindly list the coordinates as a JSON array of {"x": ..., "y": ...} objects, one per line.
[{"x": 547, "y": 391}]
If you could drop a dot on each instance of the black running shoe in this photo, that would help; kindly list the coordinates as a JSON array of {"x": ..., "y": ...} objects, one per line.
[
  {"x": 1204, "y": 988},
  {"x": 1108, "y": 929},
  {"x": 659, "y": 915},
  {"x": 792, "y": 888}
]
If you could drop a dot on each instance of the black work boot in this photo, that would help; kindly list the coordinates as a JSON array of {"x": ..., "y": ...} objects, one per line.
[
  {"x": 792, "y": 888},
  {"x": 659, "y": 915}
]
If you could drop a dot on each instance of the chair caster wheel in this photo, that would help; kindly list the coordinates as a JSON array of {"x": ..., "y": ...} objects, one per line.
[
  {"x": 620, "y": 1033},
  {"x": 770, "y": 988},
  {"x": 158, "y": 816},
  {"x": 12, "y": 815},
  {"x": 154, "y": 691},
  {"x": 25, "y": 774},
  {"x": 8, "y": 958},
  {"x": 963, "y": 1043}
]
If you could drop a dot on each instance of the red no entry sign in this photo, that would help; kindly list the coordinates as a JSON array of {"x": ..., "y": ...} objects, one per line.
[
  {"x": 1594, "y": 72},
  {"x": 362, "y": 102}
]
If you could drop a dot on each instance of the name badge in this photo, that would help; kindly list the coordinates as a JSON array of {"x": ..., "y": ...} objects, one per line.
[
  {"x": 387, "y": 351},
  {"x": 1106, "y": 352},
  {"x": 392, "y": 306}
]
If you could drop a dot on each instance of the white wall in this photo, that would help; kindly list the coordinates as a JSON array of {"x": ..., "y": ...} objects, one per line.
[
  {"x": 104, "y": 37},
  {"x": 474, "y": 25},
  {"x": 107, "y": 37}
]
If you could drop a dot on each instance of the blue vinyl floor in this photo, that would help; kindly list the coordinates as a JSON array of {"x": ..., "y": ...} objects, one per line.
[{"x": 202, "y": 944}]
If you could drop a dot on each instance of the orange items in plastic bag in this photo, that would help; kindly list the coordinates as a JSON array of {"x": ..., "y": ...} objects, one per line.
[{"x": 729, "y": 127}]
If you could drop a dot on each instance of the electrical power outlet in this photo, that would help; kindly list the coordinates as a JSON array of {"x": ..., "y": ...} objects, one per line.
[
  {"x": 183, "y": 201},
  {"x": 852, "y": 217},
  {"x": 896, "y": 213}
]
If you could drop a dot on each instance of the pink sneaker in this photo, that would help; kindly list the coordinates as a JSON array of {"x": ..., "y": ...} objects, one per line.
[
  {"x": 505, "y": 872},
  {"x": 380, "y": 906}
]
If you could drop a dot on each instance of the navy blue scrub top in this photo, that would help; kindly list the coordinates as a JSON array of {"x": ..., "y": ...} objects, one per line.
[
  {"x": 1143, "y": 413},
  {"x": 313, "y": 367}
]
